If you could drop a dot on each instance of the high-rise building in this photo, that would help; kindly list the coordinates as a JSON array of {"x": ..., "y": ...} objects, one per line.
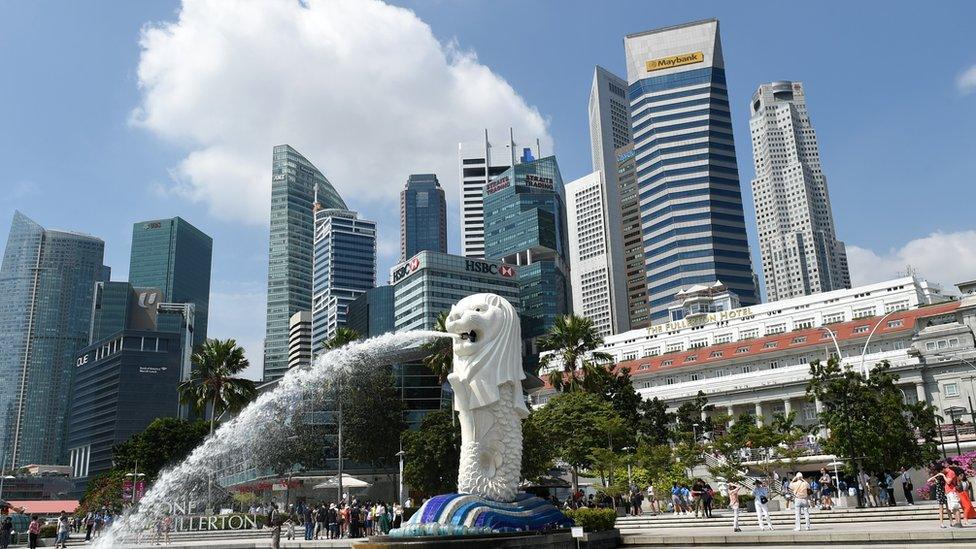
[
  {"x": 174, "y": 256},
  {"x": 594, "y": 295},
  {"x": 296, "y": 185},
  {"x": 423, "y": 216},
  {"x": 525, "y": 225},
  {"x": 687, "y": 176},
  {"x": 46, "y": 285},
  {"x": 609, "y": 112},
  {"x": 797, "y": 240},
  {"x": 126, "y": 377},
  {"x": 371, "y": 314},
  {"x": 635, "y": 271},
  {"x": 430, "y": 283},
  {"x": 345, "y": 267},
  {"x": 478, "y": 163},
  {"x": 300, "y": 339}
]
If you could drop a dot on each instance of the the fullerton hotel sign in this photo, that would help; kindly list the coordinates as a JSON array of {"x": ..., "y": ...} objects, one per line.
[{"x": 699, "y": 320}]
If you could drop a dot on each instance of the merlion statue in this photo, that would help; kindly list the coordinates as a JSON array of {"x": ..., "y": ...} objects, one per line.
[{"x": 487, "y": 383}]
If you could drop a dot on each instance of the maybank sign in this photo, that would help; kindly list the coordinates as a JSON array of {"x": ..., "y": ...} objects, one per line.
[
  {"x": 674, "y": 61},
  {"x": 698, "y": 320}
]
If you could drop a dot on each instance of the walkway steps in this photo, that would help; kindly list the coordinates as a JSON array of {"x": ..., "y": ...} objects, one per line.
[{"x": 844, "y": 539}]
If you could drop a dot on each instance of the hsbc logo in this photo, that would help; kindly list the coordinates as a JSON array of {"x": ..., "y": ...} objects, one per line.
[
  {"x": 405, "y": 269},
  {"x": 506, "y": 271},
  {"x": 414, "y": 264}
]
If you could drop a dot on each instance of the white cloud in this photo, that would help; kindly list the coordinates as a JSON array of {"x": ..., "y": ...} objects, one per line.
[
  {"x": 361, "y": 88},
  {"x": 946, "y": 258},
  {"x": 236, "y": 311},
  {"x": 966, "y": 82}
]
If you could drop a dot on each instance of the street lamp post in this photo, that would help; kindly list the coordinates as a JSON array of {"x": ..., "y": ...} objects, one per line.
[
  {"x": 939, "y": 420},
  {"x": 865, "y": 349},
  {"x": 400, "y": 455},
  {"x": 840, "y": 355},
  {"x": 630, "y": 478},
  {"x": 952, "y": 411}
]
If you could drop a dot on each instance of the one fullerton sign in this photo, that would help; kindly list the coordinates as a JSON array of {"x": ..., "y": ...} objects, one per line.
[{"x": 674, "y": 61}]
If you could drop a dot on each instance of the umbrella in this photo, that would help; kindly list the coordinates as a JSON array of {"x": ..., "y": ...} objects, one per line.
[{"x": 348, "y": 481}]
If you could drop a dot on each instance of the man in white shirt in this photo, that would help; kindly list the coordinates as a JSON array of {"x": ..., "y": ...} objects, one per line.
[{"x": 801, "y": 504}]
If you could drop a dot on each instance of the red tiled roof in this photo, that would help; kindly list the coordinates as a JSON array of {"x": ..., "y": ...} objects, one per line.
[
  {"x": 812, "y": 338},
  {"x": 45, "y": 506}
]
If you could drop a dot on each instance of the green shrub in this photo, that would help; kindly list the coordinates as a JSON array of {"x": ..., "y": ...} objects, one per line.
[
  {"x": 593, "y": 520},
  {"x": 49, "y": 530}
]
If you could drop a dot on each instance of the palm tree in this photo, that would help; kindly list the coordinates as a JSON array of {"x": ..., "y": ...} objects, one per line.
[
  {"x": 440, "y": 352},
  {"x": 573, "y": 338},
  {"x": 213, "y": 379},
  {"x": 343, "y": 336}
]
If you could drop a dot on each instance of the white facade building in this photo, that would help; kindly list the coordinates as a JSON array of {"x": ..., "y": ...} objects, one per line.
[
  {"x": 478, "y": 162},
  {"x": 594, "y": 295},
  {"x": 797, "y": 240},
  {"x": 609, "y": 113},
  {"x": 300, "y": 339}
]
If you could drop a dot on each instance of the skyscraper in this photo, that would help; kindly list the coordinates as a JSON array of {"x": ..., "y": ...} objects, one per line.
[
  {"x": 300, "y": 339},
  {"x": 345, "y": 267},
  {"x": 609, "y": 113},
  {"x": 295, "y": 185},
  {"x": 478, "y": 163},
  {"x": 423, "y": 216},
  {"x": 371, "y": 314},
  {"x": 687, "y": 176},
  {"x": 525, "y": 225},
  {"x": 635, "y": 271},
  {"x": 594, "y": 296},
  {"x": 46, "y": 285},
  {"x": 174, "y": 256},
  {"x": 797, "y": 241}
]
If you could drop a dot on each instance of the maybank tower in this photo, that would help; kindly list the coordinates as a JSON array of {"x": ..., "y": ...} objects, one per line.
[{"x": 691, "y": 212}]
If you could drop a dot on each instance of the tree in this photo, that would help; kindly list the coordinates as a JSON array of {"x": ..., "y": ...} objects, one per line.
[
  {"x": 654, "y": 421},
  {"x": 432, "y": 454},
  {"x": 165, "y": 442},
  {"x": 343, "y": 336},
  {"x": 440, "y": 352},
  {"x": 573, "y": 424},
  {"x": 572, "y": 338},
  {"x": 372, "y": 418},
  {"x": 537, "y": 456},
  {"x": 868, "y": 419},
  {"x": 104, "y": 490},
  {"x": 689, "y": 424},
  {"x": 213, "y": 381}
]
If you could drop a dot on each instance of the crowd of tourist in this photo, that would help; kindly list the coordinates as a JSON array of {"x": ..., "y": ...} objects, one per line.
[{"x": 319, "y": 521}]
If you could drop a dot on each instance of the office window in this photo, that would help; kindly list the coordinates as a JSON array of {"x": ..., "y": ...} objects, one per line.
[{"x": 950, "y": 390}]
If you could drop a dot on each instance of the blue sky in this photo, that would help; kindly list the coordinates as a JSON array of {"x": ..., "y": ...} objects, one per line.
[{"x": 886, "y": 83}]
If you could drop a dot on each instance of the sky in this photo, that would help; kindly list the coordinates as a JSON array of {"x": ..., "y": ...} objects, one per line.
[{"x": 114, "y": 112}]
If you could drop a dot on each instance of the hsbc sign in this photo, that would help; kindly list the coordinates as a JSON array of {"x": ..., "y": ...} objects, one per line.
[
  {"x": 506, "y": 271},
  {"x": 405, "y": 269}
]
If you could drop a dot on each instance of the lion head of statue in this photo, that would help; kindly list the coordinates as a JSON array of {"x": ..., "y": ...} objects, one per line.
[{"x": 488, "y": 347}]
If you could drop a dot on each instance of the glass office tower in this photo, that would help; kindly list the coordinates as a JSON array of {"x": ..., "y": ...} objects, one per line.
[
  {"x": 174, "y": 256},
  {"x": 345, "y": 267},
  {"x": 46, "y": 284},
  {"x": 371, "y": 314},
  {"x": 296, "y": 185},
  {"x": 423, "y": 216},
  {"x": 687, "y": 177},
  {"x": 525, "y": 225}
]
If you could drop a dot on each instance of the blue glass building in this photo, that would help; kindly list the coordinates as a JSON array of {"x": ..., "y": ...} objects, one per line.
[
  {"x": 46, "y": 285},
  {"x": 525, "y": 225},
  {"x": 371, "y": 314},
  {"x": 687, "y": 177},
  {"x": 174, "y": 256},
  {"x": 296, "y": 185},
  {"x": 423, "y": 216},
  {"x": 345, "y": 267}
]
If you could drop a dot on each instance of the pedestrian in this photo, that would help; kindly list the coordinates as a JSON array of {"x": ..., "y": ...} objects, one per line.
[
  {"x": 676, "y": 498},
  {"x": 761, "y": 493},
  {"x": 882, "y": 492},
  {"x": 734, "y": 505},
  {"x": 953, "y": 503},
  {"x": 907, "y": 487},
  {"x": 801, "y": 505},
  {"x": 274, "y": 521},
  {"x": 6, "y": 532},
  {"x": 697, "y": 488},
  {"x": 890, "y": 487},
  {"x": 826, "y": 489},
  {"x": 707, "y": 496},
  {"x": 652, "y": 499},
  {"x": 63, "y": 529},
  {"x": 937, "y": 480},
  {"x": 33, "y": 532},
  {"x": 320, "y": 517},
  {"x": 89, "y": 524},
  {"x": 167, "y": 527}
]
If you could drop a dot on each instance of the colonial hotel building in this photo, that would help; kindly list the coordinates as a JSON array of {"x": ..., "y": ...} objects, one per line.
[{"x": 756, "y": 359}]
